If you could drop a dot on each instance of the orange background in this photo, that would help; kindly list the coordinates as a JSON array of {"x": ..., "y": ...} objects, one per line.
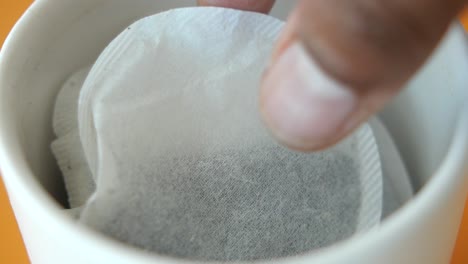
[{"x": 11, "y": 245}]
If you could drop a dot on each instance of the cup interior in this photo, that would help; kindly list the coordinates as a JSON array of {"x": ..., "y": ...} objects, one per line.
[{"x": 56, "y": 38}]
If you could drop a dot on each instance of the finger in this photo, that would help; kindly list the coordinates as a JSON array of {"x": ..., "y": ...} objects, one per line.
[
  {"x": 261, "y": 6},
  {"x": 338, "y": 62}
]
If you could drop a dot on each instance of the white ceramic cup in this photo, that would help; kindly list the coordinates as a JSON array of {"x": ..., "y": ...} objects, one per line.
[{"x": 55, "y": 38}]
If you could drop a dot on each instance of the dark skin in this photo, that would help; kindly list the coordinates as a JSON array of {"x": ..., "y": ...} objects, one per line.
[{"x": 340, "y": 61}]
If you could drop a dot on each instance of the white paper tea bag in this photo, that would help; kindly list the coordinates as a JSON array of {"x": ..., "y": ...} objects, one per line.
[
  {"x": 397, "y": 189},
  {"x": 183, "y": 165},
  {"x": 67, "y": 147}
]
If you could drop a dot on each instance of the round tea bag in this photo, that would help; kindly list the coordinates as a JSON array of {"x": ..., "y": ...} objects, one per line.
[
  {"x": 396, "y": 185},
  {"x": 67, "y": 147},
  {"x": 169, "y": 124}
]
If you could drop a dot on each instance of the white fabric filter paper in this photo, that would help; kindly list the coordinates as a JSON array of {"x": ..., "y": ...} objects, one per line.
[
  {"x": 67, "y": 147},
  {"x": 182, "y": 163},
  {"x": 397, "y": 189}
]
